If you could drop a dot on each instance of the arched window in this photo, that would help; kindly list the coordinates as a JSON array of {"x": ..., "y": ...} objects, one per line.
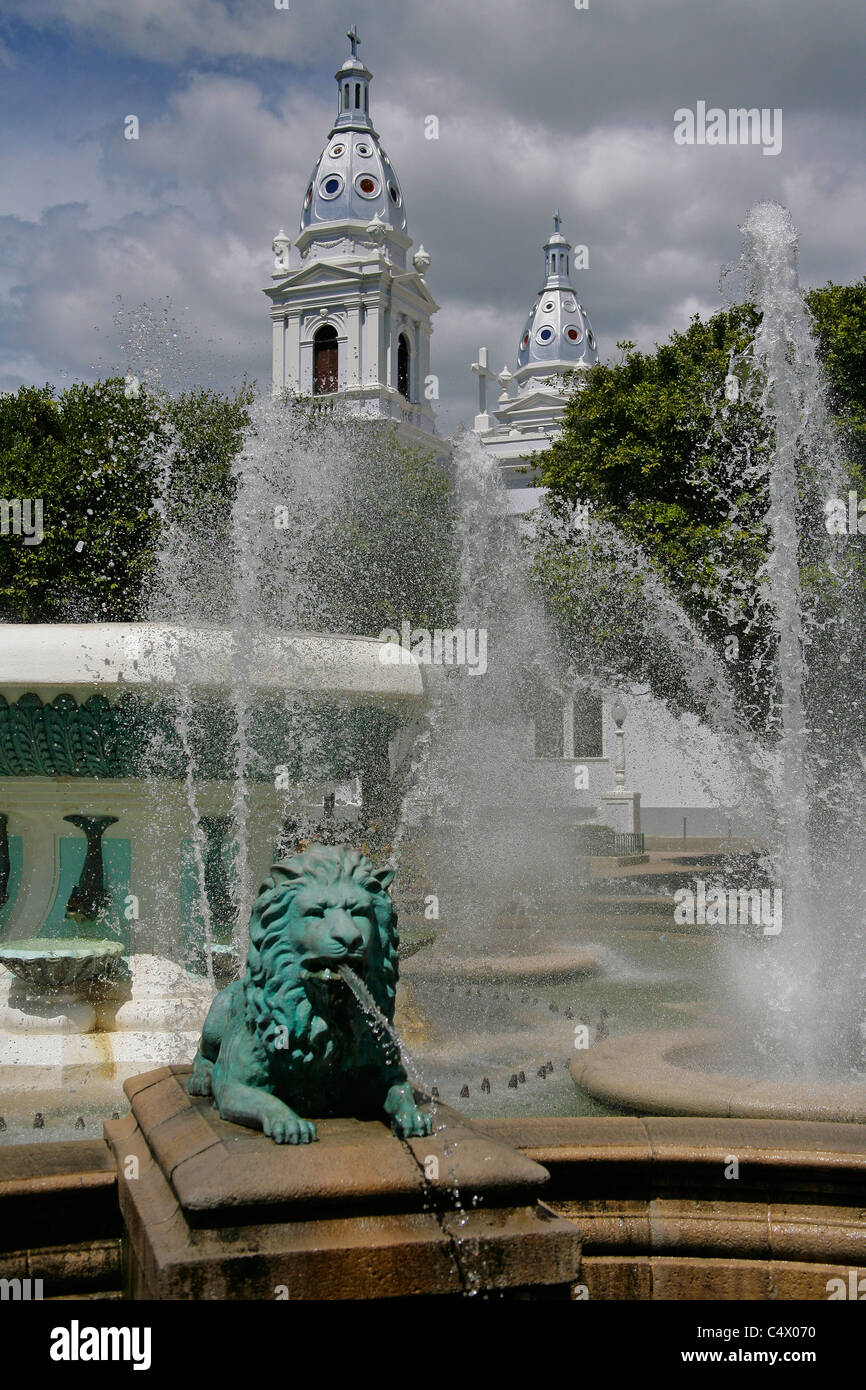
[
  {"x": 325, "y": 360},
  {"x": 366, "y": 98},
  {"x": 358, "y": 94},
  {"x": 403, "y": 365},
  {"x": 346, "y": 97}
]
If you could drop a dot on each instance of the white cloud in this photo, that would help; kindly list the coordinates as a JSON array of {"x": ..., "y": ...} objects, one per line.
[{"x": 189, "y": 210}]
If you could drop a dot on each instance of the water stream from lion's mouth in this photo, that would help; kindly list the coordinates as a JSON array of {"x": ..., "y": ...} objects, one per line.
[
  {"x": 387, "y": 1034},
  {"x": 380, "y": 1024}
]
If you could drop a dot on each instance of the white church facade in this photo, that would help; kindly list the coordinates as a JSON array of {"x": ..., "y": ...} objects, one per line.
[{"x": 352, "y": 316}]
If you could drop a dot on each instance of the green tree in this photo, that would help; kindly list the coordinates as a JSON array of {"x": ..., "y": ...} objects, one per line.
[
  {"x": 673, "y": 468},
  {"x": 838, "y": 315},
  {"x": 92, "y": 454},
  {"x": 122, "y": 472},
  {"x": 387, "y": 552}
]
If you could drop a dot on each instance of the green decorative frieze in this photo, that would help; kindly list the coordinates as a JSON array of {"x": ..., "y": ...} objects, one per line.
[
  {"x": 60, "y": 739},
  {"x": 138, "y": 738}
]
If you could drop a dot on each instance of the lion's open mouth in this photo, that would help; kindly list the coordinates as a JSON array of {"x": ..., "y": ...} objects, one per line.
[{"x": 325, "y": 971}]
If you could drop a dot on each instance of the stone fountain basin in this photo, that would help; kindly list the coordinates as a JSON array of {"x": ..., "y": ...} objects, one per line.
[
  {"x": 668, "y": 1074},
  {"x": 79, "y": 658},
  {"x": 552, "y": 966},
  {"x": 48, "y": 965}
]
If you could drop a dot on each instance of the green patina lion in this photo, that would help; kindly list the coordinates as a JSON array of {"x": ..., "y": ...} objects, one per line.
[{"x": 289, "y": 1039}]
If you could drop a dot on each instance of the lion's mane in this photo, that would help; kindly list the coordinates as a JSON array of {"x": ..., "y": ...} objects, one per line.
[{"x": 276, "y": 1003}]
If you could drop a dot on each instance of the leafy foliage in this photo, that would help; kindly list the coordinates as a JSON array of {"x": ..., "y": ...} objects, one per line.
[
  {"x": 92, "y": 454},
  {"x": 676, "y": 469},
  {"x": 97, "y": 455}
]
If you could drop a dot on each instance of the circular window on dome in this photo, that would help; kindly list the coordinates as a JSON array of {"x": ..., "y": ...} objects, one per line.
[
  {"x": 569, "y": 304},
  {"x": 544, "y": 335},
  {"x": 367, "y": 186},
  {"x": 364, "y": 150},
  {"x": 573, "y": 334},
  {"x": 524, "y": 341},
  {"x": 337, "y": 150},
  {"x": 549, "y": 306},
  {"x": 590, "y": 338},
  {"x": 394, "y": 192},
  {"x": 331, "y": 186},
  {"x": 308, "y": 196}
]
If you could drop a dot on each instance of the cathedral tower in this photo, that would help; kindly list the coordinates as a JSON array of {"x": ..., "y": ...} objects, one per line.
[
  {"x": 351, "y": 312},
  {"x": 557, "y": 337}
]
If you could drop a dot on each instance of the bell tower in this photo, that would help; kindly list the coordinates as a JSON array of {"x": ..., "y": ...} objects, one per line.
[
  {"x": 350, "y": 307},
  {"x": 557, "y": 338}
]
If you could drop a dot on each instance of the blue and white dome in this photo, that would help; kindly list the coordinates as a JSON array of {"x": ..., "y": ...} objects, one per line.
[
  {"x": 557, "y": 335},
  {"x": 353, "y": 180}
]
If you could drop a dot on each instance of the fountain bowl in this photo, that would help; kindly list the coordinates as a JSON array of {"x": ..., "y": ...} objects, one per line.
[
  {"x": 48, "y": 965},
  {"x": 683, "y": 1072}
]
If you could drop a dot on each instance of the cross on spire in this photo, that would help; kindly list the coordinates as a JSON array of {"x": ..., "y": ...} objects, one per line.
[
  {"x": 556, "y": 220},
  {"x": 354, "y": 39}
]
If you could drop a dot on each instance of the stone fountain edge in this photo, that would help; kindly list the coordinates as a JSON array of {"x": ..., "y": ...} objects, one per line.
[{"x": 639, "y": 1072}]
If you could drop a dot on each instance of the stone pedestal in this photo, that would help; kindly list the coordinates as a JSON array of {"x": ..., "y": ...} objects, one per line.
[
  {"x": 621, "y": 811},
  {"x": 215, "y": 1210}
]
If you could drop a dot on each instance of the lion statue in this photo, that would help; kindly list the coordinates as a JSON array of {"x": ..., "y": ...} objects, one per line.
[{"x": 290, "y": 1039}]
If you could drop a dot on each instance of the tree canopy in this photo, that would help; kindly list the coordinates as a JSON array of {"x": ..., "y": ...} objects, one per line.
[
  {"x": 92, "y": 454},
  {"x": 673, "y": 471},
  {"x": 120, "y": 468}
]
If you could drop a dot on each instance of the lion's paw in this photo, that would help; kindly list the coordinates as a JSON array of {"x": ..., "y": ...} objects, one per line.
[
  {"x": 411, "y": 1123},
  {"x": 201, "y": 1082},
  {"x": 289, "y": 1129}
]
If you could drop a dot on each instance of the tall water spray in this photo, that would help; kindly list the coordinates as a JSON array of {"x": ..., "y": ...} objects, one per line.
[
  {"x": 318, "y": 530},
  {"x": 811, "y": 848},
  {"x": 490, "y": 835},
  {"x": 785, "y": 378}
]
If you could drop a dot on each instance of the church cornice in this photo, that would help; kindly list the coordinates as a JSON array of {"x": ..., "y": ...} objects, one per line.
[
  {"x": 325, "y": 273},
  {"x": 536, "y": 400},
  {"x": 368, "y": 279},
  {"x": 413, "y": 287},
  {"x": 323, "y": 232}
]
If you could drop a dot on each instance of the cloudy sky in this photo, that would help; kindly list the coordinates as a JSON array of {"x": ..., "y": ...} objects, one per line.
[{"x": 539, "y": 104}]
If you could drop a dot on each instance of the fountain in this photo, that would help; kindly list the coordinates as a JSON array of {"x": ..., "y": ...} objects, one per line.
[
  {"x": 229, "y": 723},
  {"x": 246, "y": 720},
  {"x": 793, "y": 1042},
  {"x": 87, "y": 712}
]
